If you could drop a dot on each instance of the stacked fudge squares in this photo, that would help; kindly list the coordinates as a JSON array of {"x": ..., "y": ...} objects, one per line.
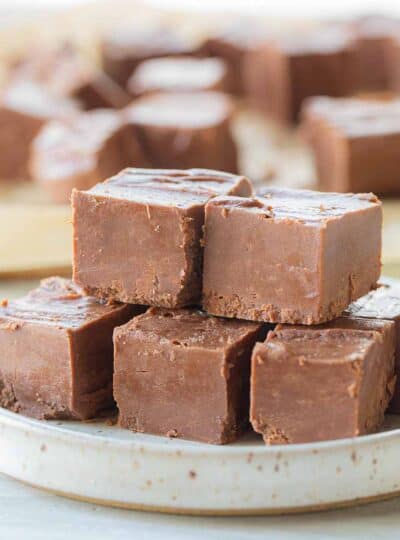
[{"x": 201, "y": 308}]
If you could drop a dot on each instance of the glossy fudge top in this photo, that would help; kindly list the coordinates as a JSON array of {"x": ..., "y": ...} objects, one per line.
[
  {"x": 382, "y": 303},
  {"x": 188, "y": 328},
  {"x": 298, "y": 204},
  {"x": 342, "y": 340},
  {"x": 70, "y": 145},
  {"x": 192, "y": 110},
  {"x": 171, "y": 187},
  {"x": 57, "y": 302},
  {"x": 355, "y": 116},
  {"x": 177, "y": 74}
]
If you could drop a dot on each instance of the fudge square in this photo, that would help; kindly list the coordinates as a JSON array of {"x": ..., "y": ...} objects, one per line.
[
  {"x": 56, "y": 352},
  {"x": 184, "y": 374},
  {"x": 383, "y": 303},
  {"x": 82, "y": 151},
  {"x": 320, "y": 383},
  {"x": 355, "y": 143},
  {"x": 233, "y": 43},
  {"x": 287, "y": 255},
  {"x": 137, "y": 236},
  {"x": 282, "y": 73},
  {"x": 181, "y": 130}
]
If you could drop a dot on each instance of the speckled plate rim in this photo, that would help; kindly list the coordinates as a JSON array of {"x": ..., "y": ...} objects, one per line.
[
  {"x": 102, "y": 464},
  {"x": 59, "y": 428}
]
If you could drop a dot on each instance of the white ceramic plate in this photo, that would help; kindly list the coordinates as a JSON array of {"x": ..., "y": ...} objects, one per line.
[{"x": 102, "y": 463}]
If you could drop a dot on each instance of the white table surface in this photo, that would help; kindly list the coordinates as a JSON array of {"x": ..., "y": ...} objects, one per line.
[{"x": 28, "y": 513}]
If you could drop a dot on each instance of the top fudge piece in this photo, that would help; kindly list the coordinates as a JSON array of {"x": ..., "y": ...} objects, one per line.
[
  {"x": 355, "y": 143},
  {"x": 383, "y": 303},
  {"x": 294, "y": 256},
  {"x": 137, "y": 236},
  {"x": 285, "y": 71},
  {"x": 184, "y": 374},
  {"x": 56, "y": 351},
  {"x": 179, "y": 74},
  {"x": 124, "y": 49}
]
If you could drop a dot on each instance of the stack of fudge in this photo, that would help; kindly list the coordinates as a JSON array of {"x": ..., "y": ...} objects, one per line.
[
  {"x": 162, "y": 100},
  {"x": 202, "y": 308}
]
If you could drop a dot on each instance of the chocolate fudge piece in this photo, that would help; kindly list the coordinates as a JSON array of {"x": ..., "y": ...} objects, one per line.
[
  {"x": 287, "y": 70},
  {"x": 24, "y": 109},
  {"x": 82, "y": 151},
  {"x": 64, "y": 72},
  {"x": 319, "y": 383},
  {"x": 355, "y": 143},
  {"x": 232, "y": 43},
  {"x": 179, "y": 75},
  {"x": 287, "y": 255},
  {"x": 373, "y": 37},
  {"x": 125, "y": 48},
  {"x": 184, "y": 374},
  {"x": 57, "y": 352},
  {"x": 183, "y": 130},
  {"x": 383, "y": 303},
  {"x": 137, "y": 236}
]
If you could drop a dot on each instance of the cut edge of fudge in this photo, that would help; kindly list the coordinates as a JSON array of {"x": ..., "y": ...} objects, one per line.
[
  {"x": 362, "y": 369},
  {"x": 155, "y": 194},
  {"x": 67, "y": 373},
  {"x": 204, "y": 381},
  {"x": 321, "y": 218}
]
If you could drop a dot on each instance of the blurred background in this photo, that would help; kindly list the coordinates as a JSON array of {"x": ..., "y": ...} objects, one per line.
[{"x": 85, "y": 84}]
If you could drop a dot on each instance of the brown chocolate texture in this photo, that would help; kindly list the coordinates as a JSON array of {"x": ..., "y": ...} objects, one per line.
[
  {"x": 125, "y": 48},
  {"x": 137, "y": 236},
  {"x": 288, "y": 69},
  {"x": 184, "y": 374},
  {"x": 184, "y": 130},
  {"x": 24, "y": 109},
  {"x": 81, "y": 151},
  {"x": 57, "y": 352},
  {"x": 355, "y": 143},
  {"x": 383, "y": 303},
  {"x": 293, "y": 256},
  {"x": 179, "y": 75},
  {"x": 319, "y": 383}
]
